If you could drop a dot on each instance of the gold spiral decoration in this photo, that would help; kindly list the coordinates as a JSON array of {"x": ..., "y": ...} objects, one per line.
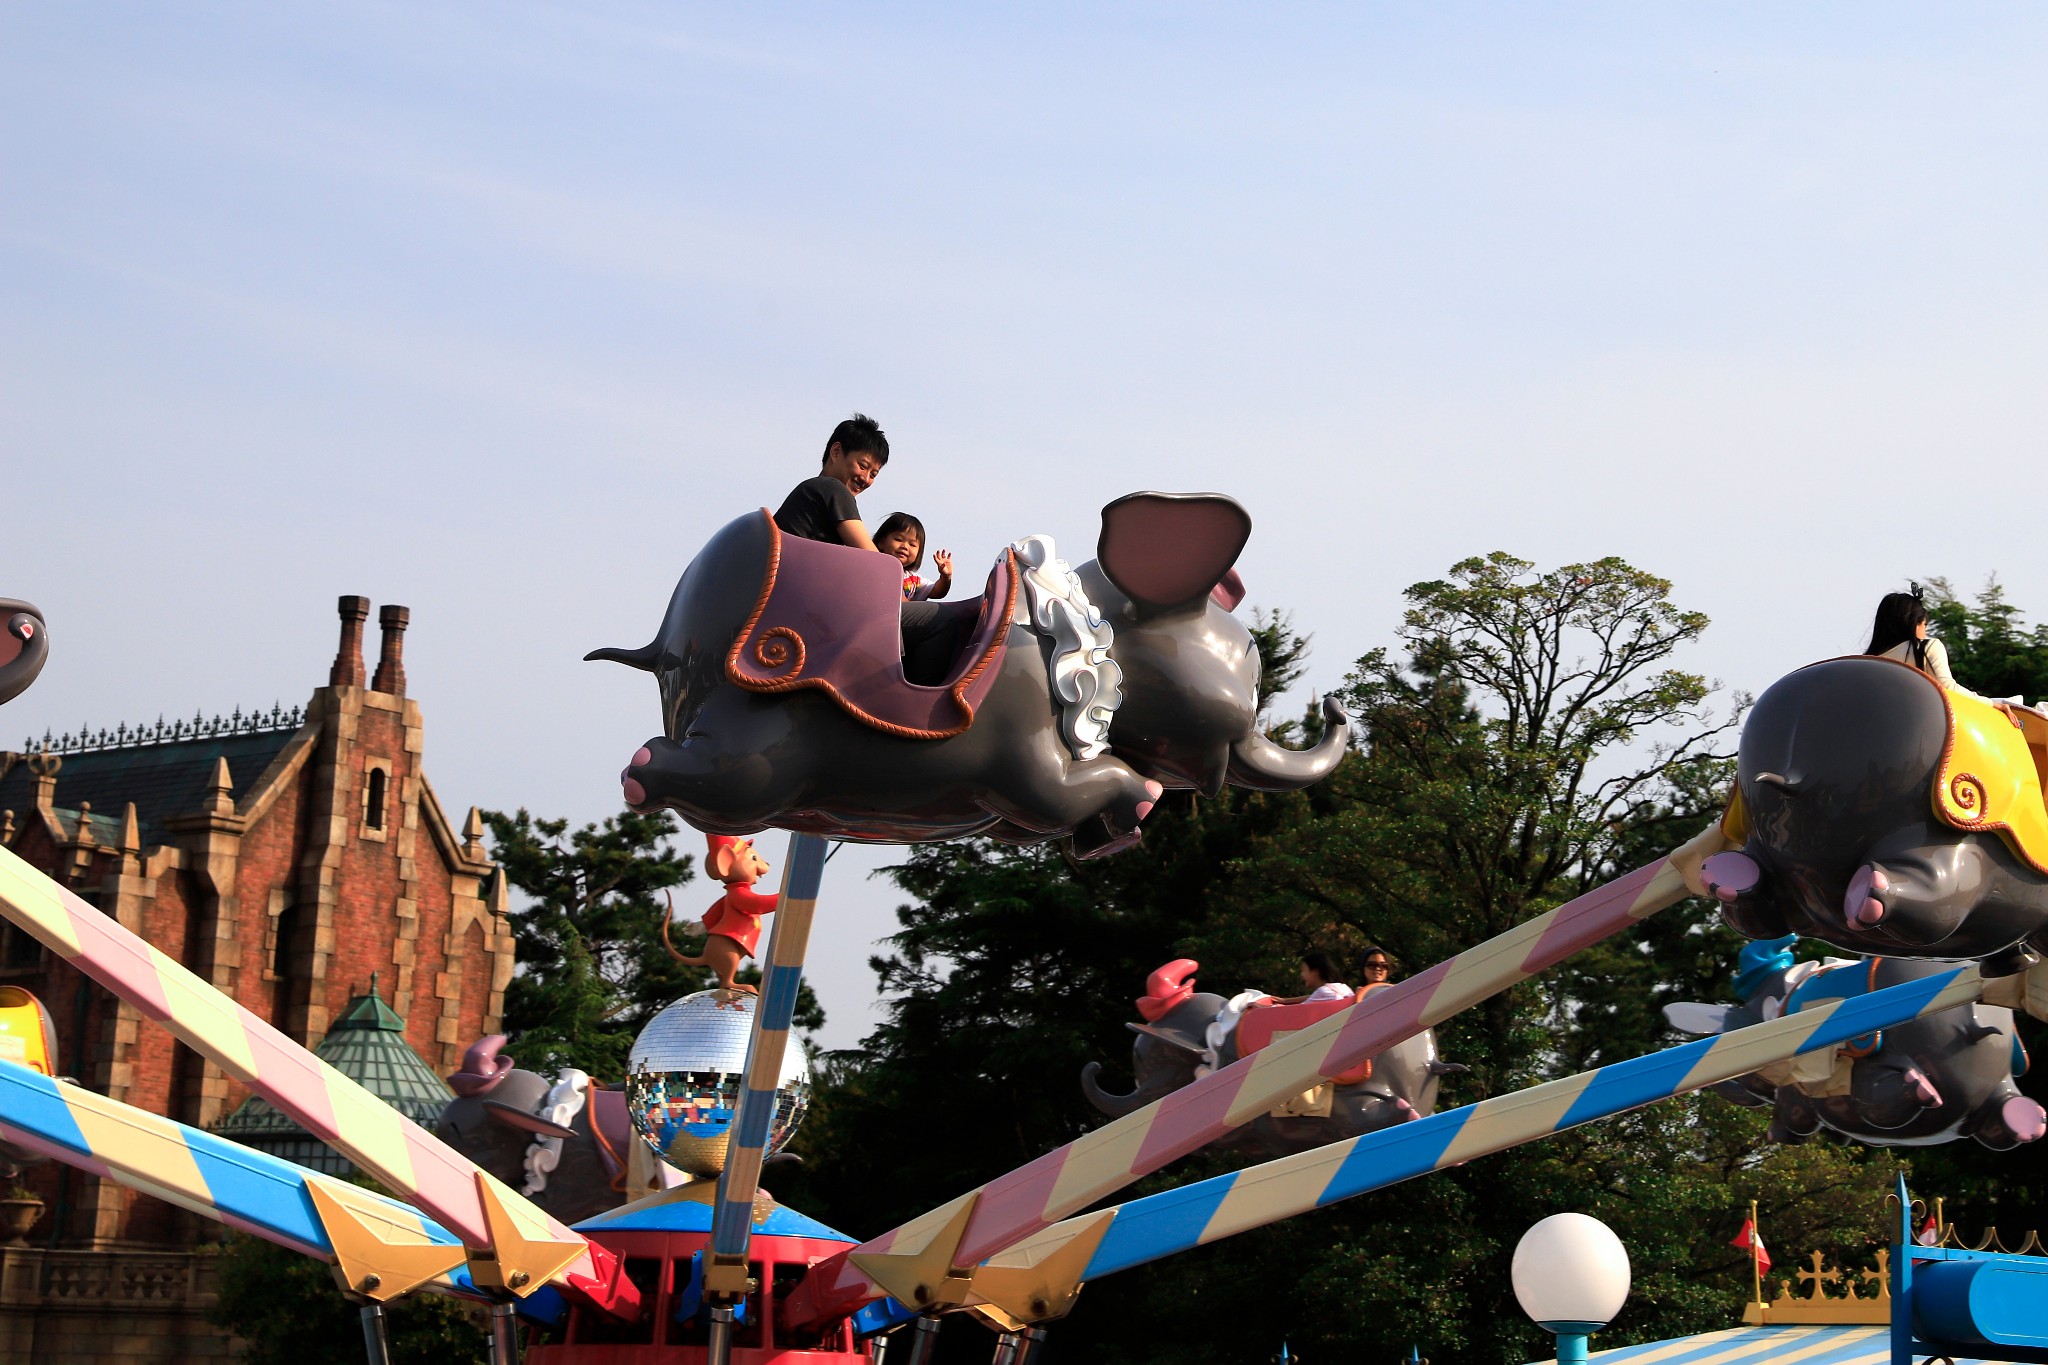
[
  {"x": 780, "y": 650},
  {"x": 1968, "y": 794}
]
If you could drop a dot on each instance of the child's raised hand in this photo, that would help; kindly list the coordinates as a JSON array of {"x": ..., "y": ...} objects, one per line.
[{"x": 944, "y": 559}]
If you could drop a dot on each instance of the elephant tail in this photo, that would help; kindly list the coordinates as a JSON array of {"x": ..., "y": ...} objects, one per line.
[
  {"x": 642, "y": 658},
  {"x": 666, "y": 916}
]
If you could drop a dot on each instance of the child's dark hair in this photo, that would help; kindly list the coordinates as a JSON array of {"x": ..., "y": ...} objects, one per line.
[
  {"x": 903, "y": 521},
  {"x": 857, "y": 435},
  {"x": 1320, "y": 964},
  {"x": 1899, "y": 616}
]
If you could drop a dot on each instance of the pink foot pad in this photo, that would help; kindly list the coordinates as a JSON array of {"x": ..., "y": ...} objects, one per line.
[
  {"x": 635, "y": 793},
  {"x": 1152, "y": 789},
  {"x": 1861, "y": 906},
  {"x": 1923, "y": 1089},
  {"x": 641, "y": 755},
  {"x": 2026, "y": 1118},
  {"x": 1728, "y": 875}
]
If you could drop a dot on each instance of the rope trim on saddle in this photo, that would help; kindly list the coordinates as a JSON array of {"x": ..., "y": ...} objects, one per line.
[{"x": 792, "y": 681}]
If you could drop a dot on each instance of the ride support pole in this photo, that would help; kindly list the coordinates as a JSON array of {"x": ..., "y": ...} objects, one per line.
[
  {"x": 718, "y": 1350},
  {"x": 504, "y": 1334},
  {"x": 1007, "y": 1347},
  {"x": 924, "y": 1339},
  {"x": 376, "y": 1346},
  {"x": 725, "y": 1270}
]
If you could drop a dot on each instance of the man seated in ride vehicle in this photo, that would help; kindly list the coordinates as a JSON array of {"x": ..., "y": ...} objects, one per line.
[{"x": 823, "y": 508}]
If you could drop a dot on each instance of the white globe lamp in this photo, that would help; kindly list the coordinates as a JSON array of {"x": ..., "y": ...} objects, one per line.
[{"x": 1571, "y": 1276}]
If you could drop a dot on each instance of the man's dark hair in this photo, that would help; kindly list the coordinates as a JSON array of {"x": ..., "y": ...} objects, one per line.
[{"x": 858, "y": 434}]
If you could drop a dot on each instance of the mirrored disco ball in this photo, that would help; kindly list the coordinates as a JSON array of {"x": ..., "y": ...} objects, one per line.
[{"x": 685, "y": 1075}]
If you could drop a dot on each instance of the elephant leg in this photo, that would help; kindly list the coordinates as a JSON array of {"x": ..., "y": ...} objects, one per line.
[
  {"x": 1918, "y": 894},
  {"x": 736, "y": 771},
  {"x": 2008, "y": 1119},
  {"x": 1890, "y": 1096},
  {"x": 1793, "y": 1117},
  {"x": 1745, "y": 895},
  {"x": 1102, "y": 801}
]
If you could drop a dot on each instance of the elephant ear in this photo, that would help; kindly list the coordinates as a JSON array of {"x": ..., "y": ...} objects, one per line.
[
  {"x": 1169, "y": 550},
  {"x": 1694, "y": 1017}
]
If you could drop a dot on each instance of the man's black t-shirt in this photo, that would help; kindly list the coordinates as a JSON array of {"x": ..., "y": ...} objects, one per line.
[{"x": 815, "y": 507}]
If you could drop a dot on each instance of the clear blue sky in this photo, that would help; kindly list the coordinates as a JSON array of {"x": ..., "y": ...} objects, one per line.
[{"x": 497, "y": 310}]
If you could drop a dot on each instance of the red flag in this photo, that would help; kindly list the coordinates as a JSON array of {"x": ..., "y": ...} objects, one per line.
[
  {"x": 1753, "y": 1241},
  {"x": 1930, "y": 1233}
]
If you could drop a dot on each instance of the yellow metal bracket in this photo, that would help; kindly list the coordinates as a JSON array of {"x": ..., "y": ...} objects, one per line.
[
  {"x": 520, "y": 1260},
  {"x": 1035, "y": 1281},
  {"x": 919, "y": 1268},
  {"x": 369, "y": 1261}
]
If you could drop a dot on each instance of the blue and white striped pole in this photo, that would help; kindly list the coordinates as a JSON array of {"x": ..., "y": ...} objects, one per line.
[
  {"x": 1145, "y": 1230},
  {"x": 725, "y": 1272}
]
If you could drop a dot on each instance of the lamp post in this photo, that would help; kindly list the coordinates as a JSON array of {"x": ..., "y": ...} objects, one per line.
[{"x": 1571, "y": 1276}]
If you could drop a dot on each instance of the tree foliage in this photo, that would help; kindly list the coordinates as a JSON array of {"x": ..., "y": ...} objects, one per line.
[
  {"x": 285, "y": 1308},
  {"x": 592, "y": 969},
  {"x": 1527, "y": 735},
  {"x": 1990, "y": 648}
]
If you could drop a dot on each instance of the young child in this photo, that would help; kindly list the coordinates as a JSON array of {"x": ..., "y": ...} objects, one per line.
[{"x": 902, "y": 535}]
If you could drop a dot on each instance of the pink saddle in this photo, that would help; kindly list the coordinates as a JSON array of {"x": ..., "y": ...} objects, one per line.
[
  {"x": 1258, "y": 1029},
  {"x": 829, "y": 617}
]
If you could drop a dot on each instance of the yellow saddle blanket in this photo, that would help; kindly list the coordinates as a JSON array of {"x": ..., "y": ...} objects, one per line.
[
  {"x": 1990, "y": 774},
  {"x": 1991, "y": 777}
]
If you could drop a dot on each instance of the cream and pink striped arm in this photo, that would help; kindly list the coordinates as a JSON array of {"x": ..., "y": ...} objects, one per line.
[
  {"x": 1011, "y": 1208},
  {"x": 377, "y": 1138},
  {"x": 1159, "y": 1225}
]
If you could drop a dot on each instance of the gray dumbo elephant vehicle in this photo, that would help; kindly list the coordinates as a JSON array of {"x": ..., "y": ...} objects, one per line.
[
  {"x": 24, "y": 647},
  {"x": 1187, "y": 1033},
  {"x": 566, "y": 1144},
  {"x": 1949, "y": 1075},
  {"x": 1071, "y": 699},
  {"x": 1881, "y": 812}
]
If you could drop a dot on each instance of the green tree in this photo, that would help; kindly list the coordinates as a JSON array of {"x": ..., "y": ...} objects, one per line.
[
  {"x": 592, "y": 970},
  {"x": 287, "y": 1310},
  {"x": 1990, "y": 648},
  {"x": 1530, "y": 738}
]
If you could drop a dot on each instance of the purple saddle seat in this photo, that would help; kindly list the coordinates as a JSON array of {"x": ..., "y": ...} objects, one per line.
[{"x": 830, "y": 617}]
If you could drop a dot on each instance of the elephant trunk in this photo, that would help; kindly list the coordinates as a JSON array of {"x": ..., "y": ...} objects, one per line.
[
  {"x": 1116, "y": 1106},
  {"x": 1261, "y": 765}
]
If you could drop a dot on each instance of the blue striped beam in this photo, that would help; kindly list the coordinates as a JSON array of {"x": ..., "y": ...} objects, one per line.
[
  {"x": 239, "y": 1186},
  {"x": 1146, "y": 1229},
  {"x": 767, "y": 1045}
]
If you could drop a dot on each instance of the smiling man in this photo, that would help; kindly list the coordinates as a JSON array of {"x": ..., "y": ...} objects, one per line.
[{"x": 822, "y": 508}]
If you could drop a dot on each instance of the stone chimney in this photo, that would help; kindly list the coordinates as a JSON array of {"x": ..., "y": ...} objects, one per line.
[
  {"x": 348, "y": 659},
  {"x": 391, "y": 663}
]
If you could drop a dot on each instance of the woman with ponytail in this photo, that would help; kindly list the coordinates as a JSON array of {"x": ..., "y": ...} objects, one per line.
[{"x": 1900, "y": 632}]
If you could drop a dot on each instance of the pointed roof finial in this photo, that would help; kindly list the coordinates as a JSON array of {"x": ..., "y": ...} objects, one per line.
[
  {"x": 131, "y": 830},
  {"x": 473, "y": 834},
  {"x": 220, "y": 799}
]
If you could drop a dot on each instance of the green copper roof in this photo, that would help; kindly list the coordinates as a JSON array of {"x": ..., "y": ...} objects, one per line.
[{"x": 367, "y": 1045}]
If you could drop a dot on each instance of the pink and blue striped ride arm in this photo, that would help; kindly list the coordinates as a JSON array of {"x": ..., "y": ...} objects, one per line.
[
  {"x": 391, "y": 1148},
  {"x": 1012, "y": 1207},
  {"x": 1147, "y": 1229},
  {"x": 238, "y": 1186}
]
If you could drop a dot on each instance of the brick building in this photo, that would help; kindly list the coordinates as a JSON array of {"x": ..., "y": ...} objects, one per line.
[{"x": 286, "y": 858}]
